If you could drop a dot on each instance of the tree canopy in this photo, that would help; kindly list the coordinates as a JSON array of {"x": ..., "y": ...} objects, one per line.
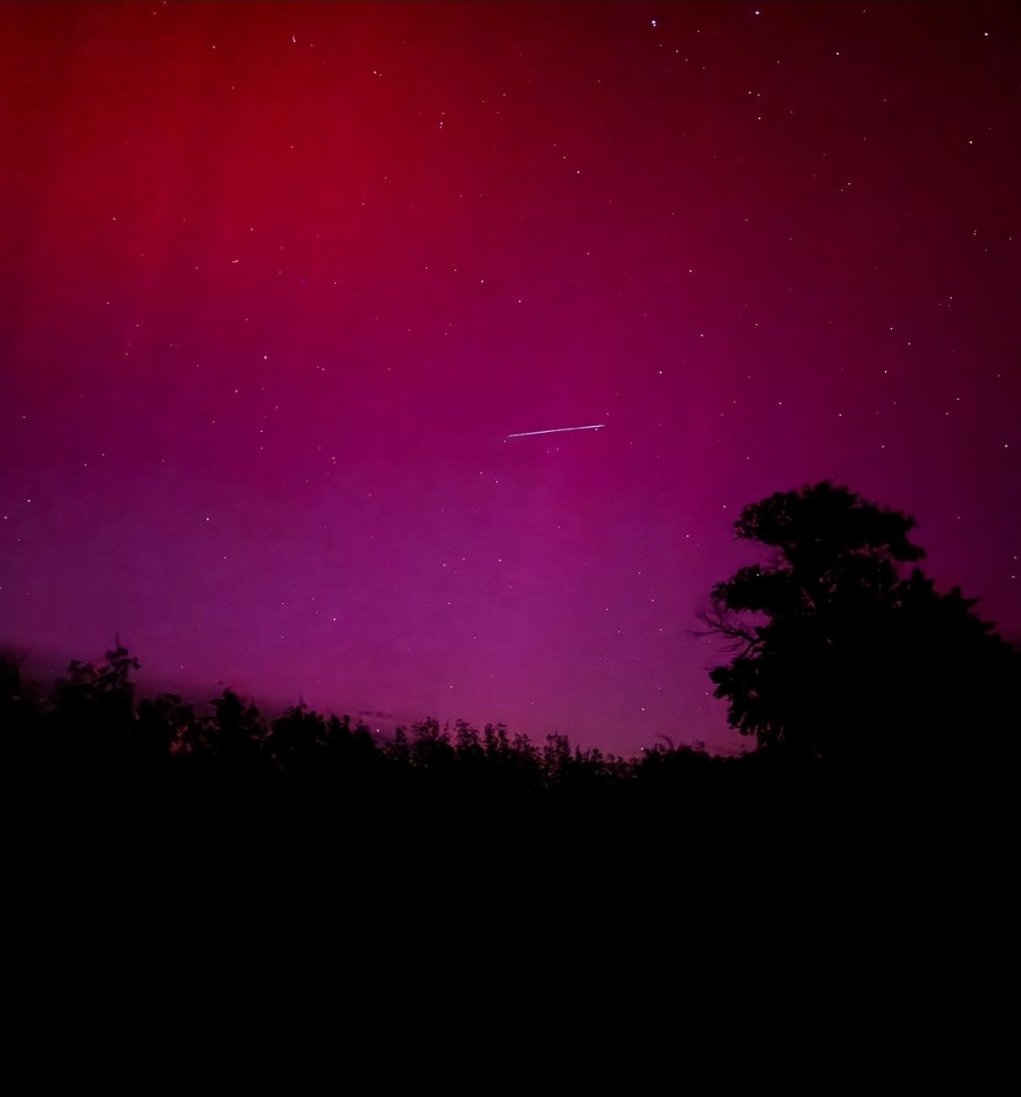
[{"x": 836, "y": 652}]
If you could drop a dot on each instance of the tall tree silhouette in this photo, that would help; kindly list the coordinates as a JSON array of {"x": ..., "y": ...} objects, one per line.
[{"x": 835, "y": 654}]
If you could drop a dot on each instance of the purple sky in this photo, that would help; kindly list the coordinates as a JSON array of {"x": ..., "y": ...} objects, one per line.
[{"x": 280, "y": 279}]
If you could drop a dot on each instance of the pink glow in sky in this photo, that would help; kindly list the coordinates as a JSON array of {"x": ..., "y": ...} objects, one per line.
[{"x": 279, "y": 280}]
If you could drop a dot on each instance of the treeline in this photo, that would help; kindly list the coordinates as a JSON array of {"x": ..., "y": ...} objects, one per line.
[
  {"x": 87, "y": 733},
  {"x": 95, "y": 777},
  {"x": 859, "y": 685}
]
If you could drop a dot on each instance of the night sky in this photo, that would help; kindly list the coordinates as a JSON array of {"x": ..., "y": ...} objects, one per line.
[{"x": 279, "y": 280}]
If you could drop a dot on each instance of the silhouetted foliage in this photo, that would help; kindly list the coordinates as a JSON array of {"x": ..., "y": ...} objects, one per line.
[
  {"x": 87, "y": 738},
  {"x": 840, "y": 657}
]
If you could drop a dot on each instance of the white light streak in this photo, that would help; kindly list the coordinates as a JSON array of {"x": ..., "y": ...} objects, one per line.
[{"x": 556, "y": 430}]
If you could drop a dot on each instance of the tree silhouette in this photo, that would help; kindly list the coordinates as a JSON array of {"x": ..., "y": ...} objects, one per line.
[
  {"x": 835, "y": 654},
  {"x": 240, "y": 735},
  {"x": 93, "y": 716}
]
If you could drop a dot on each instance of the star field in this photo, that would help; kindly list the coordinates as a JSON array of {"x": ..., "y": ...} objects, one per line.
[{"x": 281, "y": 279}]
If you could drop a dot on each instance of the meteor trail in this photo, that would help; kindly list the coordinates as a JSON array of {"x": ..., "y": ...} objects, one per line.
[{"x": 556, "y": 430}]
